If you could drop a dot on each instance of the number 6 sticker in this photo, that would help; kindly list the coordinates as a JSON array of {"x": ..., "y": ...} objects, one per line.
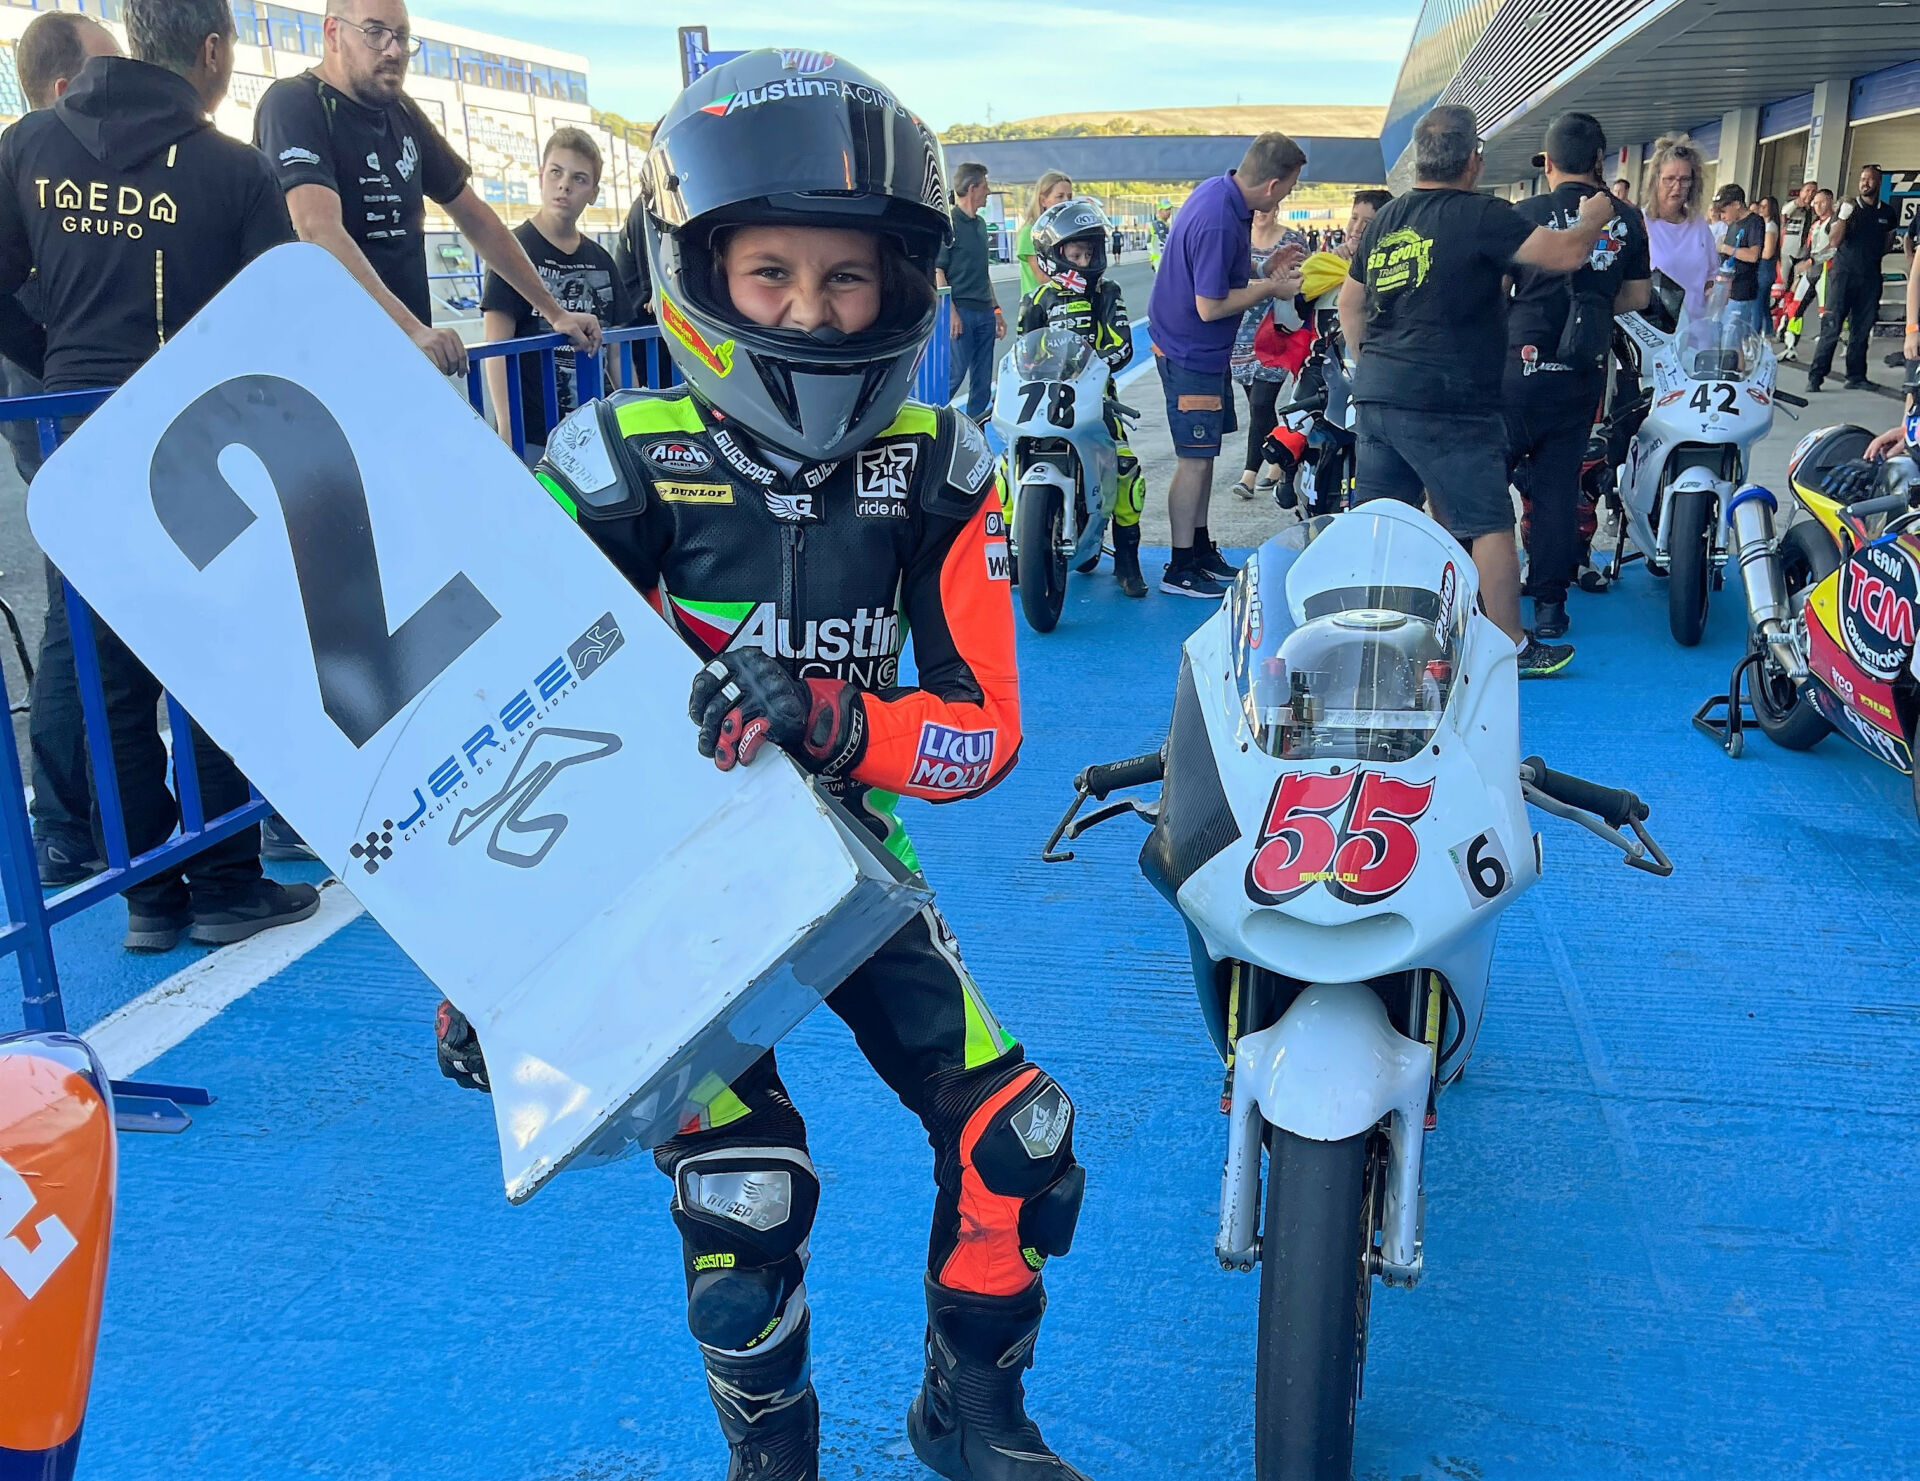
[{"x": 1483, "y": 867}]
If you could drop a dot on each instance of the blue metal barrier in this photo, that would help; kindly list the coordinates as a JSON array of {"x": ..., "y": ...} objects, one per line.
[{"x": 634, "y": 357}]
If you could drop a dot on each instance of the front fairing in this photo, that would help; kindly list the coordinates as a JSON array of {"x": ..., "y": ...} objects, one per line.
[
  {"x": 1371, "y": 910},
  {"x": 1060, "y": 422}
]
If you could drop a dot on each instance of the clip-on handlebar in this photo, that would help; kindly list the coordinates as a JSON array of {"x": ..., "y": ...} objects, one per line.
[{"x": 1574, "y": 798}]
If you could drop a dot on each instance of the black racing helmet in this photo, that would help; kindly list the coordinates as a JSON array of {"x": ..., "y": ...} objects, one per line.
[
  {"x": 795, "y": 138},
  {"x": 1071, "y": 221}
]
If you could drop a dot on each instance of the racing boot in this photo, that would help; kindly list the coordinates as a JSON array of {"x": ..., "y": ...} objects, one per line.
[
  {"x": 970, "y": 1421},
  {"x": 767, "y": 1408},
  {"x": 1126, "y": 560}
]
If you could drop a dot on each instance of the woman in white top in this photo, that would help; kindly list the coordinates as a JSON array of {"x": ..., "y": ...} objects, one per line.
[{"x": 1680, "y": 242}]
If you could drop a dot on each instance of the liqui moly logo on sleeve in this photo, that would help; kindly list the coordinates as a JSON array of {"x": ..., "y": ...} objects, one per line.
[{"x": 952, "y": 760}]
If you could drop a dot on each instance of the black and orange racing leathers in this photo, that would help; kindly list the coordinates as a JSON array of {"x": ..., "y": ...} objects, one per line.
[{"x": 827, "y": 568}]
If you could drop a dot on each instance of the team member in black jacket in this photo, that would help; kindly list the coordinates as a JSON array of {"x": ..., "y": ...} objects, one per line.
[
  {"x": 51, "y": 52},
  {"x": 132, "y": 211}
]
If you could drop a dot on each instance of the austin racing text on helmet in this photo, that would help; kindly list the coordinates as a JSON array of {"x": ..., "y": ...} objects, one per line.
[{"x": 794, "y": 138}]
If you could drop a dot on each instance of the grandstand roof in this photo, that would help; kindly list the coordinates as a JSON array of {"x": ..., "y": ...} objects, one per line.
[{"x": 1323, "y": 120}]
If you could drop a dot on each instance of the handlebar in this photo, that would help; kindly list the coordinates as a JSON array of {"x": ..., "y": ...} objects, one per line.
[
  {"x": 1112, "y": 776},
  {"x": 1615, "y": 806},
  {"x": 1316, "y": 402},
  {"x": 1881, "y": 504},
  {"x": 1573, "y": 798},
  {"x": 1790, "y": 398}
]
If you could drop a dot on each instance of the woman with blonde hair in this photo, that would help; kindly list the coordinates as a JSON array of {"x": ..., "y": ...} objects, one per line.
[
  {"x": 1049, "y": 190},
  {"x": 1680, "y": 241}
]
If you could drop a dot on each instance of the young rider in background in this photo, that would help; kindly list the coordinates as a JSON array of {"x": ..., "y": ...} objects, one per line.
[{"x": 1070, "y": 243}]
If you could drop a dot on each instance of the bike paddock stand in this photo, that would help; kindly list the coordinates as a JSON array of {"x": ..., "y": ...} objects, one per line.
[{"x": 1726, "y": 730}]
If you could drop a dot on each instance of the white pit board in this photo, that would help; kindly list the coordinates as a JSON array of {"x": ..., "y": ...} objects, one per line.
[{"x": 354, "y": 585}]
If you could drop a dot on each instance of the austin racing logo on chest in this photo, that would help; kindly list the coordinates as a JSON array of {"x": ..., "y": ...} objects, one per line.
[
  {"x": 863, "y": 649},
  {"x": 952, "y": 760}
]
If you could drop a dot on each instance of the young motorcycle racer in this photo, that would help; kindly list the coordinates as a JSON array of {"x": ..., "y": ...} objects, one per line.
[
  {"x": 793, "y": 515},
  {"x": 1070, "y": 240}
]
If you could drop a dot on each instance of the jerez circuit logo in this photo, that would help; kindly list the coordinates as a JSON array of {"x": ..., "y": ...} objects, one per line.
[{"x": 546, "y": 754}]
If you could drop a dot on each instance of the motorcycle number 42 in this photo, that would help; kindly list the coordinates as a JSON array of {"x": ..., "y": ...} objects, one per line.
[
  {"x": 1059, "y": 402},
  {"x": 1705, "y": 394},
  {"x": 1351, "y": 833}
]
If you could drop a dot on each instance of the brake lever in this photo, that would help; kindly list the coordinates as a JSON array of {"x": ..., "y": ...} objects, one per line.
[
  {"x": 1071, "y": 827},
  {"x": 1635, "y": 850}
]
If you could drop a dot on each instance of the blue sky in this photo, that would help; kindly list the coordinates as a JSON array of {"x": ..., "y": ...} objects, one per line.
[{"x": 950, "y": 60}]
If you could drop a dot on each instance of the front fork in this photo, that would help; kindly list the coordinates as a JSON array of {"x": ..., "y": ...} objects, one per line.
[{"x": 1332, "y": 1028}]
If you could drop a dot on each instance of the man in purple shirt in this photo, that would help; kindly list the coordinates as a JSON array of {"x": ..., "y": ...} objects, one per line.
[{"x": 1199, "y": 294}]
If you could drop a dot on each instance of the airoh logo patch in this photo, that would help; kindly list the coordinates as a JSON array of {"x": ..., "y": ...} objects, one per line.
[{"x": 672, "y": 456}]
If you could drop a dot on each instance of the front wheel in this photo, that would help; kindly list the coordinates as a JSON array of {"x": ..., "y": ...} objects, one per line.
[
  {"x": 1786, "y": 715},
  {"x": 1314, "y": 1284},
  {"x": 1689, "y": 563},
  {"x": 1039, "y": 521}
]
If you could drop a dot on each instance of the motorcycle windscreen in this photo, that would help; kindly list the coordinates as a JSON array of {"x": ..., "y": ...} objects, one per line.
[
  {"x": 1719, "y": 344},
  {"x": 1347, "y": 637},
  {"x": 1051, "y": 355}
]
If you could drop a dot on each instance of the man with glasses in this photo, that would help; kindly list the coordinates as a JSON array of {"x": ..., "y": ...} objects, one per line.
[{"x": 357, "y": 159}]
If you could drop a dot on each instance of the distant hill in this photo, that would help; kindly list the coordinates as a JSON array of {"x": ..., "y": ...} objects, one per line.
[{"x": 1309, "y": 120}]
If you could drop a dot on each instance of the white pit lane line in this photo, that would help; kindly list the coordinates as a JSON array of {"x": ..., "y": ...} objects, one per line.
[{"x": 141, "y": 1030}]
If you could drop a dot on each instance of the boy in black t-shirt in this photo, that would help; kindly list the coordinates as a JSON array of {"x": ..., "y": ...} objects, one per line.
[
  {"x": 1740, "y": 247},
  {"x": 580, "y": 274}
]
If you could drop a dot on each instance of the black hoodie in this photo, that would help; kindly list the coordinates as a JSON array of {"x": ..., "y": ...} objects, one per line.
[{"x": 133, "y": 210}]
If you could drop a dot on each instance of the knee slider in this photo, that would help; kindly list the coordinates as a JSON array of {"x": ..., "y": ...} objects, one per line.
[
  {"x": 1022, "y": 1147},
  {"x": 744, "y": 1214}
]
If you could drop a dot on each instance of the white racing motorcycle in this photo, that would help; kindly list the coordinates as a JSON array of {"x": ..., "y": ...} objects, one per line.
[
  {"x": 1062, "y": 467},
  {"x": 1342, "y": 822},
  {"x": 1710, "y": 387}
]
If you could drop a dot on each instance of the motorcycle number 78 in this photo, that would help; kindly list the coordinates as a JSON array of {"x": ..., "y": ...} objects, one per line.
[
  {"x": 1703, "y": 396},
  {"x": 1369, "y": 855},
  {"x": 1059, "y": 404}
]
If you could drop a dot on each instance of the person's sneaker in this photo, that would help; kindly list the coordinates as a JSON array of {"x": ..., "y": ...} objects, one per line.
[
  {"x": 1191, "y": 581},
  {"x": 155, "y": 931},
  {"x": 1549, "y": 619},
  {"x": 280, "y": 843},
  {"x": 1814, "y": 383},
  {"x": 1207, "y": 556},
  {"x": 1244, "y": 489},
  {"x": 1860, "y": 383},
  {"x": 265, "y": 904},
  {"x": 63, "y": 862},
  {"x": 1538, "y": 660}
]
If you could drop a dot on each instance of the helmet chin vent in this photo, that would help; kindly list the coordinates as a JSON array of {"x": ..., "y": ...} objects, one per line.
[{"x": 778, "y": 380}]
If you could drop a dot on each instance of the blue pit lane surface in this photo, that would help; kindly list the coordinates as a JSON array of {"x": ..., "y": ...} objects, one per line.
[{"x": 1667, "y": 1206}]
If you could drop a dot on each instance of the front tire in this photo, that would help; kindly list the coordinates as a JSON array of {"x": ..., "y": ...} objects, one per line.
[
  {"x": 1807, "y": 558},
  {"x": 1314, "y": 1284},
  {"x": 1039, "y": 521},
  {"x": 1689, "y": 565}
]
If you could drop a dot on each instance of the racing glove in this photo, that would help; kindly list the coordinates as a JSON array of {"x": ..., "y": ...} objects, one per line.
[
  {"x": 744, "y": 698},
  {"x": 1850, "y": 480},
  {"x": 458, "y": 1049}
]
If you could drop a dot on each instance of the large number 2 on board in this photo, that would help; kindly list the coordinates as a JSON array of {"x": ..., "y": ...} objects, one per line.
[{"x": 367, "y": 673}]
